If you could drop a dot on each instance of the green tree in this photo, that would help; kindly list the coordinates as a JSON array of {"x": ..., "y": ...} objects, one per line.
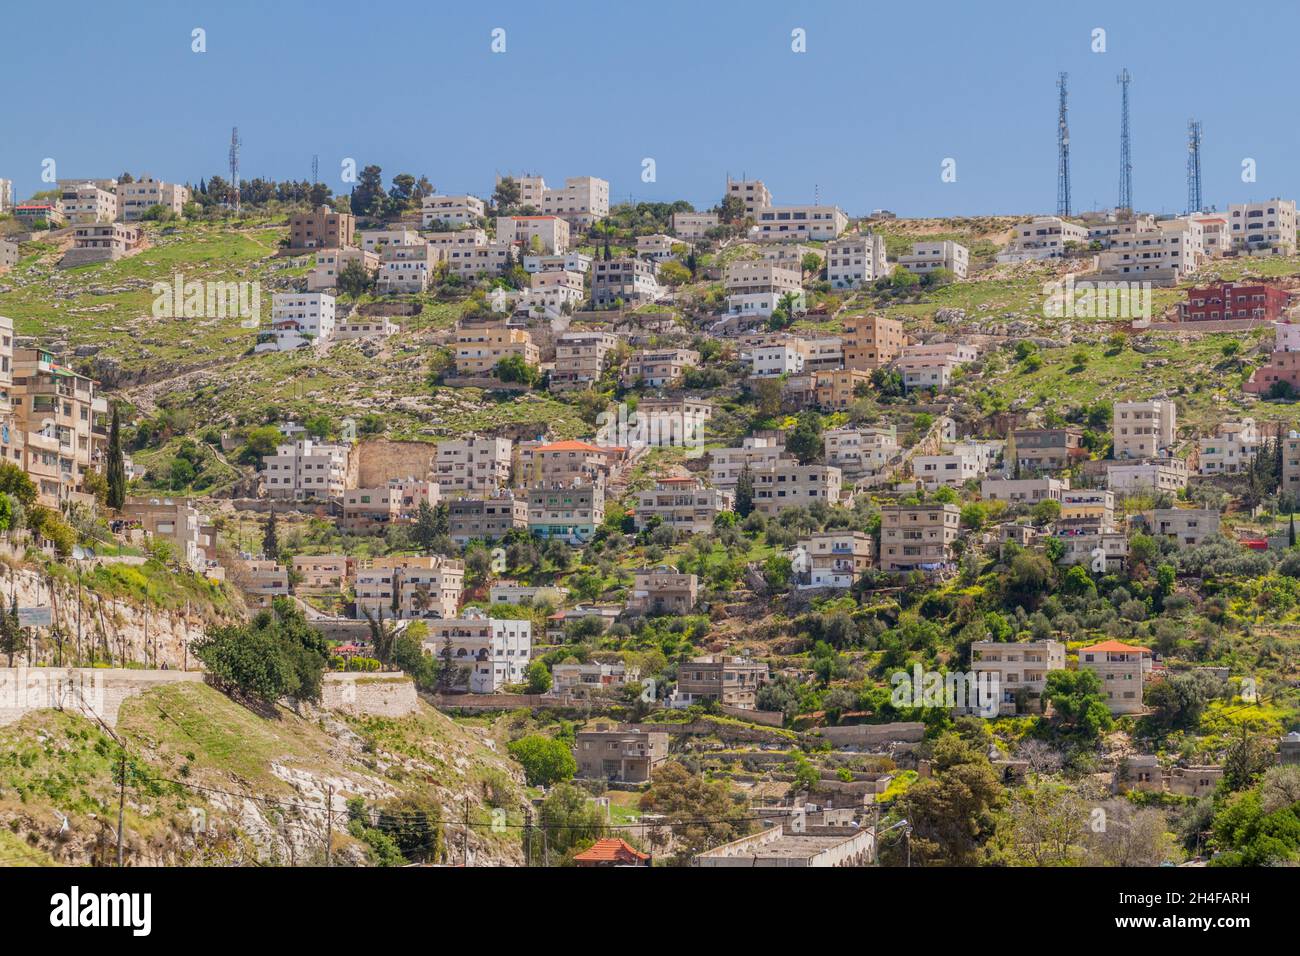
[
  {"x": 805, "y": 439},
  {"x": 116, "y": 467},
  {"x": 15, "y": 483},
  {"x": 270, "y": 543},
  {"x": 1078, "y": 707},
  {"x": 745, "y": 491},
  {"x": 546, "y": 761},
  {"x": 537, "y": 678}
]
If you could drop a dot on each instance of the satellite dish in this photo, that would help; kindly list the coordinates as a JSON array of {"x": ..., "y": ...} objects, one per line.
[{"x": 77, "y": 553}]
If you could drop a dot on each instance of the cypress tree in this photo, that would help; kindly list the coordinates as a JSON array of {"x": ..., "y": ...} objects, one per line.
[{"x": 116, "y": 464}]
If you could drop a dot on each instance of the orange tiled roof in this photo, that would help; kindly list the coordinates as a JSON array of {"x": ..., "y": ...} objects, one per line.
[
  {"x": 570, "y": 445},
  {"x": 610, "y": 850},
  {"x": 1116, "y": 647}
]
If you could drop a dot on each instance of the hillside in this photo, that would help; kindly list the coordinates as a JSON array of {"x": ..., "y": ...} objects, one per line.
[{"x": 212, "y": 783}]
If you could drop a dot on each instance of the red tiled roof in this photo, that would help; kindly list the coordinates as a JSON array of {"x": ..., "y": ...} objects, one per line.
[
  {"x": 1116, "y": 647},
  {"x": 570, "y": 446},
  {"x": 611, "y": 850}
]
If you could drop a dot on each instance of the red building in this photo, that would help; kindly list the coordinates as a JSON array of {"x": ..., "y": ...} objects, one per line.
[{"x": 1235, "y": 300}]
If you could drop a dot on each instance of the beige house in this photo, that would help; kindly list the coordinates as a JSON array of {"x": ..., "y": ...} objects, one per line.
[
  {"x": 731, "y": 681},
  {"x": 1264, "y": 226},
  {"x": 918, "y": 537},
  {"x": 134, "y": 199},
  {"x": 683, "y": 504},
  {"x": 694, "y": 225},
  {"x": 102, "y": 242},
  {"x": 307, "y": 469},
  {"x": 929, "y": 257},
  {"x": 480, "y": 347},
  {"x": 657, "y": 368},
  {"x": 473, "y": 464},
  {"x": 855, "y": 261},
  {"x": 800, "y": 223},
  {"x": 580, "y": 357},
  {"x": 550, "y": 232},
  {"x": 486, "y": 518},
  {"x": 453, "y": 210},
  {"x": 86, "y": 202},
  {"x": 330, "y": 263},
  {"x": 859, "y": 451},
  {"x": 370, "y": 510},
  {"x": 1122, "y": 669},
  {"x": 837, "y": 389},
  {"x": 323, "y": 573},
  {"x": 619, "y": 753},
  {"x": 420, "y": 586},
  {"x": 663, "y": 590},
  {"x": 788, "y": 484},
  {"x": 833, "y": 559},
  {"x": 1021, "y": 668},
  {"x": 1144, "y": 429},
  {"x": 752, "y": 193},
  {"x": 406, "y": 268},
  {"x": 322, "y": 228},
  {"x": 1186, "y": 526},
  {"x": 872, "y": 341}
]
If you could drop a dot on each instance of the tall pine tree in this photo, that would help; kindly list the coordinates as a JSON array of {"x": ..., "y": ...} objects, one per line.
[
  {"x": 270, "y": 544},
  {"x": 745, "y": 492},
  {"x": 116, "y": 464}
]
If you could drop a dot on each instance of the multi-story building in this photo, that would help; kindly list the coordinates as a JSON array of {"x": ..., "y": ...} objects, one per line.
[
  {"x": 626, "y": 280},
  {"x": 323, "y": 573},
  {"x": 473, "y": 464},
  {"x": 858, "y": 451},
  {"x": 550, "y": 232},
  {"x": 833, "y": 559},
  {"x": 657, "y": 368},
  {"x": 1185, "y": 526},
  {"x": 31, "y": 214},
  {"x": 321, "y": 228},
  {"x": 659, "y": 246},
  {"x": 1144, "y": 429},
  {"x": 800, "y": 223},
  {"x": 931, "y": 365},
  {"x": 1021, "y": 668},
  {"x": 453, "y": 210},
  {"x": 85, "y": 202},
  {"x": 777, "y": 359},
  {"x": 682, "y": 503},
  {"x": 486, "y": 519},
  {"x": 492, "y": 651},
  {"x": 752, "y": 193},
  {"x": 102, "y": 242},
  {"x": 1022, "y": 491},
  {"x": 855, "y": 261},
  {"x": 1048, "y": 449},
  {"x": 755, "y": 453},
  {"x": 1167, "y": 252},
  {"x": 663, "y": 590},
  {"x": 1231, "y": 450},
  {"x": 584, "y": 680},
  {"x": 406, "y": 268},
  {"x": 410, "y": 586},
  {"x": 481, "y": 259},
  {"x": 136, "y": 198},
  {"x": 1147, "y": 475},
  {"x": 8, "y": 255},
  {"x": 872, "y": 341},
  {"x": 524, "y": 595},
  {"x": 619, "y": 753},
  {"x": 694, "y": 225},
  {"x": 299, "y": 319},
  {"x": 554, "y": 293},
  {"x": 1122, "y": 669},
  {"x": 1044, "y": 237},
  {"x": 375, "y": 240},
  {"x": 787, "y": 484},
  {"x": 953, "y": 466},
  {"x": 582, "y": 201},
  {"x": 479, "y": 347},
  {"x": 568, "y": 262},
  {"x": 1264, "y": 226},
  {"x": 1281, "y": 373},
  {"x": 1088, "y": 545},
  {"x": 564, "y": 462},
  {"x": 837, "y": 389},
  {"x": 1235, "y": 300},
  {"x": 918, "y": 537},
  {"x": 177, "y": 521},
  {"x": 265, "y": 581},
  {"x": 59, "y": 416},
  {"x": 580, "y": 357},
  {"x": 306, "y": 469},
  {"x": 1083, "y": 508},
  {"x": 570, "y": 512},
  {"x": 330, "y": 263},
  {"x": 731, "y": 681},
  {"x": 664, "y": 422},
  {"x": 368, "y": 510},
  {"x": 929, "y": 257}
]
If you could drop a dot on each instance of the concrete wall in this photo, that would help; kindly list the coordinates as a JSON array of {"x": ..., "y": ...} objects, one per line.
[
  {"x": 374, "y": 695},
  {"x": 873, "y": 735},
  {"x": 86, "y": 691}
]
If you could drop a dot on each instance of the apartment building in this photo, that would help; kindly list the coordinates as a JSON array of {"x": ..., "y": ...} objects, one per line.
[
  {"x": 872, "y": 341},
  {"x": 178, "y": 522},
  {"x": 1022, "y": 491},
  {"x": 1043, "y": 237},
  {"x": 298, "y": 319},
  {"x": 554, "y": 293},
  {"x": 102, "y": 242},
  {"x": 58, "y": 415},
  {"x": 859, "y": 451},
  {"x": 755, "y": 453},
  {"x": 620, "y": 754},
  {"x": 1184, "y": 526},
  {"x": 694, "y": 225},
  {"x": 772, "y": 361},
  {"x": 86, "y": 202},
  {"x": 927, "y": 257},
  {"x": 492, "y": 652},
  {"x": 570, "y": 512},
  {"x": 832, "y": 559},
  {"x": 479, "y": 347},
  {"x": 307, "y": 469},
  {"x": 918, "y": 537},
  {"x": 952, "y": 467},
  {"x": 1231, "y": 450},
  {"x": 1219, "y": 301},
  {"x": 454, "y": 211},
  {"x": 787, "y": 484},
  {"x": 658, "y": 368},
  {"x": 1281, "y": 373},
  {"x": 582, "y": 201},
  {"x": 663, "y": 590},
  {"x": 838, "y": 389},
  {"x": 662, "y": 422},
  {"x": 1162, "y": 255},
  {"x": 330, "y": 263},
  {"x": 855, "y": 261},
  {"x": 1216, "y": 234},
  {"x": 682, "y": 503},
  {"x": 1122, "y": 669},
  {"x": 659, "y": 247},
  {"x": 1087, "y": 508},
  {"x": 584, "y": 680},
  {"x": 375, "y": 240},
  {"x": 32, "y": 214},
  {"x": 1147, "y": 475},
  {"x": 752, "y": 193},
  {"x": 626, "y": 280},
  {"x": 264, "y": 581},
  {"x": 323, "y": 573},
  {"x": 321, "y": 228},
  {"x": 1145, "y": 429},
  {"x": 370, "y": 510},
  {"x": 931, "y": 366},
  {"x": 1021, "y": 668},
  {"x": 566, "y": 462},
  {"x": 549, "y": 234},
  {"x": 570, "y": 261},
  {"x": 1048, "y": 449},
  {"x": 406, "y": 268},
  {"x": 410, "y": 586},
  {"x": 136, "y": 198},
  {"x": 580, "y": 357},
  {"x": 800, "y": 223},
  {"x": 486, "y": 518},
  {"x": 487, "y": 259},
  {"x": 731, "y": 681},
  {"x": 1267, "y": 227},
  {"x": 472, "y": 464}
]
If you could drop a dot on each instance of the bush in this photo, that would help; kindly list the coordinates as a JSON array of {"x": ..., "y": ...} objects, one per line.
[{"x": 546, "y": 761}]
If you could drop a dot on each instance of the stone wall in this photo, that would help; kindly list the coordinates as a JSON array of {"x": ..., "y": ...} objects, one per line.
[
  {"x": 87, "y": 691},
  {"x": 374, "y": 695},
  {"x": 380, "y": 459}
]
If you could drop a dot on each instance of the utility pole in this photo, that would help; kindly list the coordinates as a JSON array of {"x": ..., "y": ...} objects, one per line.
[
  {"x": 464, "y": 857},
  {"x": 329, "y": 827},
  {"x": 121, "y": 805},
  {"x": 528, "y": 837}
]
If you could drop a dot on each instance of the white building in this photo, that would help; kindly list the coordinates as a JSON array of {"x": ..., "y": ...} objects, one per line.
[
  {"x": 568, "y": 262},
  {"x": 307, "y": 469},
  {"x": 452, "y": 210},
  {"x": 1144, "y": 429},
  {"x": 473, "y": 464},
  {"x": 1231, "y": 450},
  {"x": 493, "y": 651},
  {"x": 800, "y": 223},
  {"x": 298, "y": 319},
  {"x": 1264, "y": 226},
  {"x": 694, "y": 225},
  {"x": 550, "y": 232},
  {"x": 855, "y": 261},
  {"x": 1043, "y": 237},
  {"x": 860, "y": 451},
  {"x": 770, "y": 361},
  {"x": 932, "y": 256},
  {"x": 1152, "y": 475}
]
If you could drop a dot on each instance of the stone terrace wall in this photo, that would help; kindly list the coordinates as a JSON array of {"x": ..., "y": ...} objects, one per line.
[
  {"x": 86, "y": 691},
  {"x": 376, "y": 695}
]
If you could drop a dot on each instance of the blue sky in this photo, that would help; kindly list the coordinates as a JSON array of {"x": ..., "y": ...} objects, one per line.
[{"x": 884, "y": 93}]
